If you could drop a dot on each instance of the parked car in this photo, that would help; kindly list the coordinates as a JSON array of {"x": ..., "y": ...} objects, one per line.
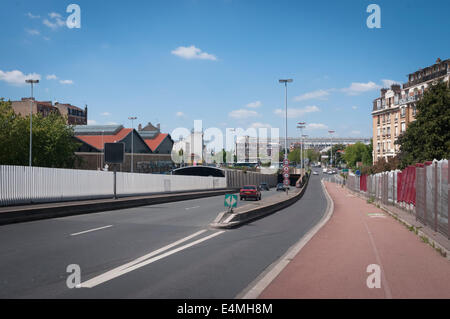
[
  {"x": 281, "y": 187},
  {"x": 250, "y": 191},
  {"x": 264, "y": 186},
  {"x": 315, "y": 173}
]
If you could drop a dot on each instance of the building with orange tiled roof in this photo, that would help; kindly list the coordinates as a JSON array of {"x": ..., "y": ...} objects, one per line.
[{"x": 151, "y": 148}]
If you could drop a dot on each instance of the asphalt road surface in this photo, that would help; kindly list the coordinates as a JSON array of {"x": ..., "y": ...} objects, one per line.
[{"x": 160, "y": 251}]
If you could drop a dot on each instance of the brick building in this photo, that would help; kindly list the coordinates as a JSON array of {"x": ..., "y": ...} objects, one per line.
[
  {"x": 74, "y": 114},
  {"x": 151, "y": 149}
]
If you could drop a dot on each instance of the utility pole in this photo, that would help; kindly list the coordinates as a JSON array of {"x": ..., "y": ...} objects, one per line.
[
  {"x": 285, "y": 81},
  {"x": 31, "y": 118},
  {"x": 132, "y": 118},
  {"x": 301, "y": 126},
  {"x": 331, "y": 150}
]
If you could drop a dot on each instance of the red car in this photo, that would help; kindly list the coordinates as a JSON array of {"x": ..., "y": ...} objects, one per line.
[{"x": 250, "y": 191}]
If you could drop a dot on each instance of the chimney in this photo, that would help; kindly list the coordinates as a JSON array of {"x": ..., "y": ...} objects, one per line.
[
  {"x": 383, "y": 92},
  {"x": 395, "y": 87},
  {"x": 140, "y": 127},
  {"x": 158, "y": 126}
]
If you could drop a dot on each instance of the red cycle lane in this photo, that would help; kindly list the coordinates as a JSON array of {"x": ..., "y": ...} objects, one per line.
[{"x": 333, "y": 264}]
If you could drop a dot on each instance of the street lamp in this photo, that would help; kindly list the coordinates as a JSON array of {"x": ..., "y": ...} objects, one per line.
[
  {"x": 331, "y": 150},
  {"x": 31, "y": 117},
  {"x": 301, "y": 126},
  {"x": 303, "y": 148},
  {"x": 285, "y": 81},
  {"x": 132, "y": 118}
]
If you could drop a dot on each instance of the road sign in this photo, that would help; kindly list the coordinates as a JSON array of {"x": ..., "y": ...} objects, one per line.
[
  {"x": 230, "y": 200},
  {"x": 286, "y": 162},
  {"x": 286, "y": 175},
  {"x": 114, "y": 153},
  {"x": 286, "y": 182},
  {"x": 286, "y": 169},
  {"x": 358, "y": 172}
]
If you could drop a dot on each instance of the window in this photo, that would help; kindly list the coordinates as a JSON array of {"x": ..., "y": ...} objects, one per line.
[
  {"x": 403, "y": 127},
  {"x": 396, "y": 130},
  {"x": 378, "y": 132}
]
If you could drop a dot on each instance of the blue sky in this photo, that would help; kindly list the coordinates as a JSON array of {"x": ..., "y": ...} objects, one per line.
[{"x": 176, "y": 61}]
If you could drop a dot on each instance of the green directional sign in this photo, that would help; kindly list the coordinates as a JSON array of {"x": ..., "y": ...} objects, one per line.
[{"x": 230, "y": 200}]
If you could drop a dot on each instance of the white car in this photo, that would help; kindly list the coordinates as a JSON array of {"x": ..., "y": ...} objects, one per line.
[{"x": 315, "y": 173}]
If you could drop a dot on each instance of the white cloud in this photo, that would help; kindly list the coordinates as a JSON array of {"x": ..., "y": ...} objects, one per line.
[
  {"x": 51, "y": 77},
  {"x": 111, "y": 123},
  {"x": 319, "y": 94},
  {"x": 54, "y": 15},
  {"x": 66, "y": 81},
  {"x": 32, "y": 16},
  {"x": 260, "y": 125},
  {"x": 387, "y": 83},
  {"x": 355, "y": 132},
  {"x": 243, "y": 113},
  {"x": 316, "y": 126},
  {"x": 105, "y": 114},
  {"x": 298, "y": 112},
  {"x": 16, "y": 77},
  {"x": 354, "y": 107},
  {"x": 254, "y": 105},
  {"x": 193, "y": 53},
  {"x": 92, "y": 122},
  {"x": 56, "y": 21},
  {"x": 46, "y": 38},
  {"x": 33, "y": 31},
  {"x": 180, "y": 114},
  {"x": 358, "y": 88}
]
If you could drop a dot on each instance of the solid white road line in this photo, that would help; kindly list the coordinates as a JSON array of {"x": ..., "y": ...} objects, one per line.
[
  {"x": 140, "y": 262},
  {"x": 188, "y": 208},
  {"x": 90, "y": 230}
]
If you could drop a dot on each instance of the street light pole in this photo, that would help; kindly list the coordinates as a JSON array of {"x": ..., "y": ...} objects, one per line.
[
  {"x": 31, "y": 117},
  {"x": 285, "y": 81},
  {"x": 331, "y": 150},
  {"x": 132, "y": 118},
  {"x": 301, "y": 126}
]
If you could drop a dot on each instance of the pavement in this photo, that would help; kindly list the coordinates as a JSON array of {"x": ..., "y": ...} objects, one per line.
[
  {"x": 159, "y": 251},
  {"x": 334, "y": 263}
]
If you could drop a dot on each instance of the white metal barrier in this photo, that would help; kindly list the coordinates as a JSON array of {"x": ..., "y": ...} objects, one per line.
[{"x": 23, "y": 185}]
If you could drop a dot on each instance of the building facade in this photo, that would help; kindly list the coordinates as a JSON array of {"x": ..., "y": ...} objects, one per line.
[
  {"x": 73, "y": 114},
  {"x": 396, "y": 107},
  {"x": 151, "y": 149}
]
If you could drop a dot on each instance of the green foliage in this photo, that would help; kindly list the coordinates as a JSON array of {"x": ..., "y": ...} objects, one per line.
[
  {"x": 312, "y": 155},
  {"x": 358, "y": 152},
  {"x": 294, "y": 156},
  {"x": 53, "y": 141},
  {"x": 428, "y": 137}
]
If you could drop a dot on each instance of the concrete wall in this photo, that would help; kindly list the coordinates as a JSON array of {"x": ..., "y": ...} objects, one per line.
[{"x": 238, "y": 178}]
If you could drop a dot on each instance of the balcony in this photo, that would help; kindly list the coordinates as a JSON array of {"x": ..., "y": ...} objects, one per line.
[{"x": 425, "y": 78}]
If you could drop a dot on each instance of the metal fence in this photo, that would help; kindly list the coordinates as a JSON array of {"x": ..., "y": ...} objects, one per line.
[
  {"x": 24, "y": 185},
  {"x": 422, "y": 188}
]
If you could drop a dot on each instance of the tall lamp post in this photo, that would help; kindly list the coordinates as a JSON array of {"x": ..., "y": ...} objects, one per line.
[
  {"x": 331, "y": 150},
  {"x": 132, "y": 118},
  {"x": 301, "y": 126},
  {"x": 31, "y": 117},
  {"x": 303, "y": 149},
  {"x": 285, "y": 81}
]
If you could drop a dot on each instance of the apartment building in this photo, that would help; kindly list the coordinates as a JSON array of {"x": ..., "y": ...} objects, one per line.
[
  {"x": 73, "y": 114},
  {"x": 396, "y": 107}
]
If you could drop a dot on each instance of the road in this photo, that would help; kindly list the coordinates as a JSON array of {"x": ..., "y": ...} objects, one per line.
[{"x": 160, "y": 251}]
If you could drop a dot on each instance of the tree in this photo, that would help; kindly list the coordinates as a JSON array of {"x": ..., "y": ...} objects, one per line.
[
  {"x": 358, "y": 152},
  {"x": 294, "y": 156},
  {"x": 53, "y": 141},
  {"x": 428, "y": 137}
]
